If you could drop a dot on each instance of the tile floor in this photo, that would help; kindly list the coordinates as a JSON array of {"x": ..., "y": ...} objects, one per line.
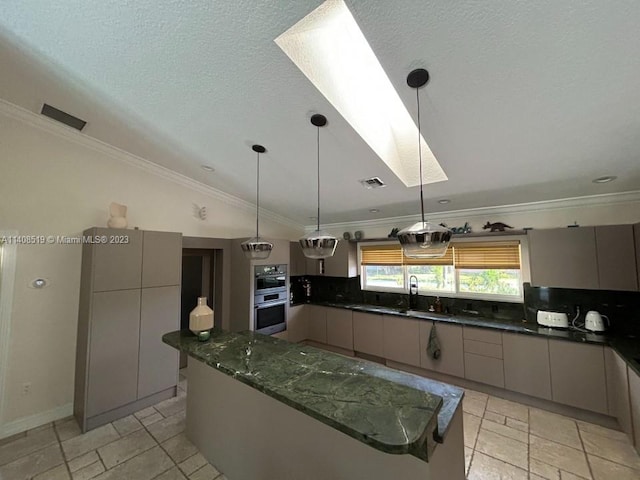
[{"x": 503, "y": 440}]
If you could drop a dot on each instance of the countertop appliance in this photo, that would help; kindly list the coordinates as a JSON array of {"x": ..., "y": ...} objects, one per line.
[
  {"x": 594, "y": 322},
  {"x": 270, "y": 299},
  {"x": 552, "y": 319}
]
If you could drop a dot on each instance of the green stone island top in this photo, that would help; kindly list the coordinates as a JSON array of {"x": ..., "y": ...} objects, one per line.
[{"x": 392, "y": 411}]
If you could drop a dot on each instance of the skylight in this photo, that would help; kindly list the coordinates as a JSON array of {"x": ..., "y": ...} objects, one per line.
[{"x": 330, "y": 49}]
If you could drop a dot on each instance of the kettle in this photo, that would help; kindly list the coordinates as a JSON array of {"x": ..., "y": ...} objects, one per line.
[{"x": 594, "y": 321}]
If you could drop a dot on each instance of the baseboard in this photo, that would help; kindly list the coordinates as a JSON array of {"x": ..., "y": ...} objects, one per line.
[{"x": 27, "y": 423}]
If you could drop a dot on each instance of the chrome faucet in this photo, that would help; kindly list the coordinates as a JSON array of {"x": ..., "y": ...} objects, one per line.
[{"x": 413, "y": 292}]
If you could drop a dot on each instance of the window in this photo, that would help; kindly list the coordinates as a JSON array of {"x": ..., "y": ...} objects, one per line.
[{"x": 489, "y": 270}]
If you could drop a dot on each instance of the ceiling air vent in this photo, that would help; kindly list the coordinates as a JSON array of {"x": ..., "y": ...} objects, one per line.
[
  {"x": 373, "y": 182},
  {"x": 62, "y": 117}
]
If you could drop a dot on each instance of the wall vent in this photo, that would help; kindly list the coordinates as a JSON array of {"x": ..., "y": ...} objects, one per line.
[
  {"x": 373, "y": 182},
  {"x": 62, "y": 117}
]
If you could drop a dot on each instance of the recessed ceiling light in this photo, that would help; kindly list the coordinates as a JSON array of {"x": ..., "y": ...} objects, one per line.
[
  {"x": 444, "y": 201},
  {"x": 207, "y": 168},
  {"x": 331, "y": 51},
  {"x": 374, "y": 210},
  {"x": 606, "y": 179}
]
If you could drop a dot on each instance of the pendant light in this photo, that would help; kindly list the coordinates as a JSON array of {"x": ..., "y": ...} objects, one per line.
[
  {"x": 256, "y": 248},
  {"x": 423, "y": 239},
  {"x": 318, "y": 244}
]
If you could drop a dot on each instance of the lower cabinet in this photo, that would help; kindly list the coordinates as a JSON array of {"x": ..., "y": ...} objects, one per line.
[
  {"x": 297, "y": 323},
  {"x": 578, "y": 375},
  {"x": 368, "y": 333},
  {"x": 526, "y": 365},
  {"x": 340, "y": 328},
  {"x": 483, "y": 356},
  {"x": 634, "y": 396},
  {"x": 618, "y": 390},
  {"x": 401, "y": 339},
  {"x": 451, "y": 360},
  {"x": 317, "y": 323}
]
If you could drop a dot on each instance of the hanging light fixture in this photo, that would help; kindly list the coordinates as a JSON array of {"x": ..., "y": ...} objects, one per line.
[
  {"x": 318, "y": 244},
  {"x": 423, "y": 239},
  {"x": 256, "y": 248}
]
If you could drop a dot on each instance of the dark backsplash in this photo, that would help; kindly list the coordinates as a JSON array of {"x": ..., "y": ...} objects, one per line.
[{"x": 622, "y": 308}]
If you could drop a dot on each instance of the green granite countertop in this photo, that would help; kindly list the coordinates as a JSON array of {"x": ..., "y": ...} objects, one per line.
[{"x": 392, "y": 411}]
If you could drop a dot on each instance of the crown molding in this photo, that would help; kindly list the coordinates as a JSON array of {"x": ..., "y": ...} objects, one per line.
[
  {"x": 606, "y": 199},
  {"x": 50, "y": 126}
]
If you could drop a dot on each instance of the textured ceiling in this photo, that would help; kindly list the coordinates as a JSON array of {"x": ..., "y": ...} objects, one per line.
[{"x": 527, "y": 100}]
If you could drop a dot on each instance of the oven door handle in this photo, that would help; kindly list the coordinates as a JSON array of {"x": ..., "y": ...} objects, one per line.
[{"x": 269, "y": 304}]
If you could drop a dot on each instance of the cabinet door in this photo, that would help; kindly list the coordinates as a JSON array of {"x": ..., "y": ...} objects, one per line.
[
  {"x": 618, "y": 390},
  {"x": 297, "y": 322},
  {"x": 636, "y": 236},
  {"x": 368, "y": 333},
  {"x": 161, "y": 259},
  {"x": 451, "y": 359},
  {"x": 526, "y": 365},
  {"x": 634, "y": 395},
  {"x": 344, "y": 261},
  {"x": 616, "y": 257},
  {"x": 402, "y": 339},
  {"x": 117, "y": 266},
  {"x": 340, "y": 328},
  {"x": 578, "y": 376},
  {"x": 483, "y": 369},
  {"x": 563, "y": 257},
  {"x": 159, "y": 314},
  {"x": 317, "y": 327},
  {"x": 113, "y": 360},
  {"x": 297, "y": 260},
  {"x": 312, "y": 266}
]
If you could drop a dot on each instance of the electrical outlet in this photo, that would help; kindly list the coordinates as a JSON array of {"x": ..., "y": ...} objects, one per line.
[{"x": 26, "y": 388}]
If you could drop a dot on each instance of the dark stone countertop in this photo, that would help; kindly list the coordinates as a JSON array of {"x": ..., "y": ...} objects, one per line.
[
  {"x": 392, "y": 411},
  {"x": 628, "y": 347}
]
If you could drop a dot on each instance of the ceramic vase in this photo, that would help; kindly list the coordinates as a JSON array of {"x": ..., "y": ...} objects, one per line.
[{"x": 201, "y": 319}]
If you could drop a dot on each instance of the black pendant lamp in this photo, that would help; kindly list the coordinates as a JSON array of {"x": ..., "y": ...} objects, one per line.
[
  {"x": 423, "y": 239},
  {"x": 318, "y": 244},
  {"x": 256, "y": 248}
]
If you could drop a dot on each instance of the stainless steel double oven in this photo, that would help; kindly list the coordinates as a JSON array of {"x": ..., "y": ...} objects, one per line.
[{"x": 270, "y": 300}]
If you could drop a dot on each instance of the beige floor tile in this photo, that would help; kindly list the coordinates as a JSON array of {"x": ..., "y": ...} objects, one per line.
[
  {"x": 33, "y": 464},
  {"x": 508, "y": 409},
  {"x": 543, "y": 470},
  {"x": 471, "y": 425},
  {"x": 182, "y": 384},
  {"x": 145, "y": 466},
  {"x": 68, "y": 429},
  {"x": 24, "y": 445},
  {"x": 558, "y": 455},
  {"x": 83, "y": 460},
  {"x": 91, "y": 440},
  {"x": 475, "y": 395},
  {"x": 570, "y": 476},
  {"x": 88, "y": 472},
  {"x": 468, "y": 455},
  {"x": 605, "y": 470},
  {"x": 484, "y": 467},
  {"x": 517, "y": 424},
  {"x": 58, "y": 473},
  {"x": 153, "y": 418},
  {"x": 172, "y": 406},
  {"x": 172, "y": 474},
  {"x": 495, "y": 417},
  {"x": 12, "y": 438},
  {"x": 125, "y": 426},
  {"x": 140, "y": 414},
  {"x": 127, "y": 447},
  {"x": 40, "y": 428},
  {"x": 554, "y": 427},
  {"x": 505, "y": 431},
  {"x": 533, "y": 476},
  {"x": 613, "y": 450},
  {"x": 179, "y": 448},
  {"x": 192, "y": 464},
  {"x": 503, "y": 448},
  {"x": 208, "y": 472},
  {"x": 474, "y": 406},
  {"x": 167, "y": 428},
  {"x": 602, "y": 431}
]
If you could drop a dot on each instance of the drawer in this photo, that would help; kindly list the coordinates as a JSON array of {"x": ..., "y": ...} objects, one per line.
[
  {"x": 483, "y": 348},
  {"x": 482, "y": 335},
  {"x": 484, "y": 369}
]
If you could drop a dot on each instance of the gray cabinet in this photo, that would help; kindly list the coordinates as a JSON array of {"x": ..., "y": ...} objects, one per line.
[
  {"x": 526, "y": 365},
  {"x": 297, "y": 260},
  {"x": 368, "y": 333},
  {"x": 634, "y": 397},
  {"x": 401, "y": 339},
  {"x": 483, "y": 356},
  {"x": 297, "y": 323},
  {"x": 616, "y": 257},
  {"x": 344, "y": 262},
  {"x": 340, "y": 328},
  {"x": 636, "y": 236},
  {"x": 618, "y": 390},
  {"x": 121, "y": 363},
  {"x": 563, "y": 257},
  {"x": 451, "y": 361},
  {"x": 317, "y": 326},
  {"x": 578, "y": 375}
]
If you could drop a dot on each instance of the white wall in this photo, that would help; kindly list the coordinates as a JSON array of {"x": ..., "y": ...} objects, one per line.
[{"x": 58, "y": 182}]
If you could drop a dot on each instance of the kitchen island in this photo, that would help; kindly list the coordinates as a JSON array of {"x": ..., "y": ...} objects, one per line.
[{"x": 263, "y": 408}]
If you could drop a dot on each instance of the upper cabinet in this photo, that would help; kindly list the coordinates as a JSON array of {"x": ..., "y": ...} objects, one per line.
[
  {"x": 297, "y": 260},
  {"x": 584, "y": 257},
  {"x": 344, "y": 262},
  {"x": 117, "y": 262},
  {"x": 161, "y": 259}
]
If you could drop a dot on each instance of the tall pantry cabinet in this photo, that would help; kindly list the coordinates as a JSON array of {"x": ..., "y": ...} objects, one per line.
[{"x": 129, "y": 297}]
